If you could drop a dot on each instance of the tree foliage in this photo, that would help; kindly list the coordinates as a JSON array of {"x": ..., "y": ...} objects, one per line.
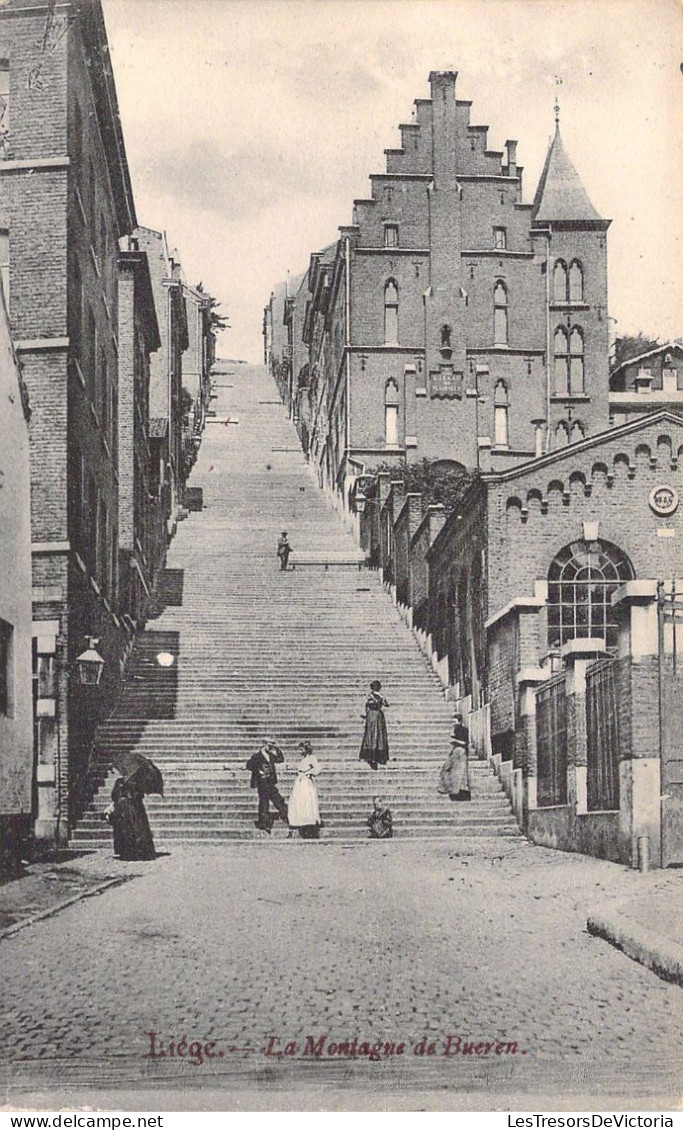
[
  {"x": 631, "y": 345},
  {"x": 435, "y": 482},
  {"x": 217, "y": 321}
]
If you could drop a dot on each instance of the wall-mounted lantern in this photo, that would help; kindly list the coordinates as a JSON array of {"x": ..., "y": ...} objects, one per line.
[{"x": 90, "y": 664}]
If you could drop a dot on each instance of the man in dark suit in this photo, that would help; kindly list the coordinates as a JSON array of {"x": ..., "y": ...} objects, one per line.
[{"x": 261, "y": 765}]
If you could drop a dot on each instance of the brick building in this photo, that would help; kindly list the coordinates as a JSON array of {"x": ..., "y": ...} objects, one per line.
[
  {"x": 142, "y": 540},
  {"x": 198, "y": 359},
  {"x": 546, "y": 601},
  {"x": 457, "y": 319},
  {"x": 16, "y": 703},
  {"x": 65, "y": 201},
  {"x": 166, "y": 380},
  {"x": 653, "y": 380}
]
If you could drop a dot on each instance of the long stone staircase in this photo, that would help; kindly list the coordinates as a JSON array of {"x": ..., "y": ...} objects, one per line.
[{"x": 260, "y": 653}]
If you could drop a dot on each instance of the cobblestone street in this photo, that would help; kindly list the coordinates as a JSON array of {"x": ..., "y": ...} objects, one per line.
[{"x": 392, "y": 942}]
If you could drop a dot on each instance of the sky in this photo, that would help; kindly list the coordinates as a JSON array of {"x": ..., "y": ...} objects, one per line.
[{"x": 251, "y": 125}]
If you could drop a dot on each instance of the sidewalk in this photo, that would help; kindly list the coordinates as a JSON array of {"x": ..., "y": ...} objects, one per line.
[
  {"x": 648, "y": 927},
  {"x": 43, "y": 889}
]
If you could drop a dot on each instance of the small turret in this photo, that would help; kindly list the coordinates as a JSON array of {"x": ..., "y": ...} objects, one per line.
[{"x": 560, "y": 196}]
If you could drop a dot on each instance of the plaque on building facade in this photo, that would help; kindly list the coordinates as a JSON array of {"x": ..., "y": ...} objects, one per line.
[
  {"x": 445, "y": 383},
  {"x": 663, "y": 500}
]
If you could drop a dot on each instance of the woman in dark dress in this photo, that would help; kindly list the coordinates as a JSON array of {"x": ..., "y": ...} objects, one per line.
[
  {"x": 375, "y": 745},
  {"x": 132, "y": 833}
]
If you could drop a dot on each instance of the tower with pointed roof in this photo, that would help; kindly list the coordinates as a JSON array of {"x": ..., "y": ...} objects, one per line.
[
  {"x": 569, "y": 229},
  {"x": 458, "y": 323}
]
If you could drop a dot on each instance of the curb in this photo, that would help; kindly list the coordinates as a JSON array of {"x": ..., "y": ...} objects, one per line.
[
  {"x": 663, "y": 956},
  {"x": 41, "y": 914}
]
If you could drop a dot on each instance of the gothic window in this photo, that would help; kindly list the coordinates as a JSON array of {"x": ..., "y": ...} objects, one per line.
[
  {"x": 578, "y": 431},
  {"x": 539, "y": 439},
  {"x": 576, "y": 373},
  {"x": 391, "y": 414},
  {"x": 500, "y": 241},
  {"x": 391, "y": 313},
  {"x": 560, "y": 281},
  {"x": 500, "y": 415},
  {"x": 446, "y": 337},
  {"x": 581, "y": 581},
  {"x": 561, "y": 434},
  {"x": 576, "y": 282},
  {"x": 500, "y": 314},
  {"x": 391, "y": 235},
  {"x": 561, "y": 361}
]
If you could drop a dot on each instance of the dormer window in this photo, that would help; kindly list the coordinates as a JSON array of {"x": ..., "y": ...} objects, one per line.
[
  {"x": 500, "y": 239},
  {"x": 644, "y": 380},
  {"x": 391, "y": 235}
]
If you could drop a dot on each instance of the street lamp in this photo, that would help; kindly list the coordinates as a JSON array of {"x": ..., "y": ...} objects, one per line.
[{"x": 90, "y": 664}]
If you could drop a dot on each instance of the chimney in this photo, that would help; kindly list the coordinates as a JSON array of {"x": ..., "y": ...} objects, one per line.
[{"x": 511, "y": 147}]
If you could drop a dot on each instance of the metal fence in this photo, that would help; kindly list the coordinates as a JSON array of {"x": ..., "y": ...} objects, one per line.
[
  {"x": 602, "y": 736},
  {"x": 551, "y": 742}
]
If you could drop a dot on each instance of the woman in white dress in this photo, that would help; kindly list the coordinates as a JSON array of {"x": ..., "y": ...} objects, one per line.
[{"x": 303, "y": 811}]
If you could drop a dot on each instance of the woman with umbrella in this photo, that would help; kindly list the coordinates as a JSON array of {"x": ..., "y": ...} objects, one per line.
[
  {"x": 375, "y": 745},
  {"x": 130, "y": 825}
]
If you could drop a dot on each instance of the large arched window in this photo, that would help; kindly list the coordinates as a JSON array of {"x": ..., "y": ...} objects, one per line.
[
  {"x": 500, "y": 314},
  {"x": 581, "y": 581},
  {"x": 391, "y": 313},
  {"x": 561, "y": 361},
  {"x": 576, "y": 372},
  {"x": 576, "y": 282},
  {"x": 560, "y": 281},
  {"x": 391, "y": 414}
]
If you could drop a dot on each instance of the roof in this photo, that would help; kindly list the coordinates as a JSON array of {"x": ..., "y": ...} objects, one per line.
[
  {"x": 560, "y": 194},
  {"x": 675, "y": 343},
  {"x": 572, "y": 449},
  {"x": 158, "y": 427}
]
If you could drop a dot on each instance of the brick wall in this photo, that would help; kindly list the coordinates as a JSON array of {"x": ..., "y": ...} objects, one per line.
[{"x": 441, "y": 199}]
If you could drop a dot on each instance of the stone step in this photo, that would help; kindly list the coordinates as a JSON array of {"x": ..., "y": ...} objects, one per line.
[{"x": 262, "y": 653}]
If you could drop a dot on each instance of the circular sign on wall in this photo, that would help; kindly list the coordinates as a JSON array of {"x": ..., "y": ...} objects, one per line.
[{"x": 664, "y": 500}]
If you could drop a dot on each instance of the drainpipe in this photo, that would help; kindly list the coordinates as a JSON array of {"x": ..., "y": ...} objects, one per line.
[
  {"x": 547, "y": 344},
  {"x": 347, "y": 397},
  {"x": 347, "y": 300}
]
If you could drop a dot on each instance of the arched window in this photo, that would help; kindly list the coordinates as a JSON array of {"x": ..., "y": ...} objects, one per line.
[
  {"x": 391, "y": 313},
  {"x": 560, "y": 281},
  {"x": 500, "y": 415},
  {"x": 576, "y": 282},
  {"x": 446, "y": 337},
  {"x": 500, "y": 314},
  {"x": 576, "y": 375},
  {"x": 578, "y": 431},
  {"x": 561, "y": 434},
  {"x": 391, "y": 414},
  {"x": 561, "y": 361},
  {"x": 581, "y": 581}
]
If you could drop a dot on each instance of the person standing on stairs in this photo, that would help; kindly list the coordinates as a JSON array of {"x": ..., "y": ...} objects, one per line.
[
  {"x": 454, "y": 779},
  {"x": 261, "y": 765},
  {"x": 375, "y": 745},
  {"x": 303, "y": 809},
  {"x": 283, "y": 551}
]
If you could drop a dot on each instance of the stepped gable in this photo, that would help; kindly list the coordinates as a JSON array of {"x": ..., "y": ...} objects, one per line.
[
  {"x": 260, "y": 653},
  {"x": 560, "y": 196}
]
